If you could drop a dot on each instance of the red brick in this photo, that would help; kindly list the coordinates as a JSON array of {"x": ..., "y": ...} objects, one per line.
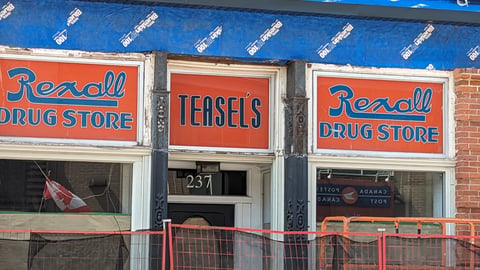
[
  {"x": 460, "y": 74},
  {"x": 466, "y": 140},
  {"x": 474, "y": 152},
  {"x": 475, "y": 210},
  {"x": 474, "y": 164},
  {"x": 475, "y": 83},
  {"x": 474, "y": 118},
  {"x": 462, "y": 81},
  {"x": 463, "y": 210},
  {"x": 461, "y": 134},
  {"x": 466, "y": 98},
  {"x": 474, "y": 216},
  {"x": 467, "y": 128},
  {"x": 475, "y": 123},
  {"x": 463, "y": 184},
  {"x": 462, "y": 164},
  {"x": 467, "y": 193},
  {"x": 462, "y": 178},
  {"x": 471, "y": 70},
  {"x": 460, "y": 157},
  {"x": 461, "y": 71},
  {"x": 463, "y": 117},
  {"x": 469, "y": 158},
  {"x": 463, "y": 97},
  {"x": 463, "y": 152},
  {"x": 467, "y": 204},
  {"x": 462, "y": 146},
  {"x": 475, "y": 178},
  {"x": 462, "y": 215},
  {"x": 475, "y": 187},
  {"x": 474, "y": 146},
  {"x": 465, "y": 88},
  {"x": 467, "y": 169},
  {"x": 457, "y": 73},
  {"x": 463, "y": 77},
  {"x": 464, "y": 111}
]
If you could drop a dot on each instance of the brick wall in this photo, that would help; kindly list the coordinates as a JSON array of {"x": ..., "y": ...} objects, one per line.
[{"x": 467, "y": 140}]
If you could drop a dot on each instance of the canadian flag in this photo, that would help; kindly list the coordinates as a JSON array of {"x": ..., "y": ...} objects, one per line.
[{"x": 63, "y": 198}]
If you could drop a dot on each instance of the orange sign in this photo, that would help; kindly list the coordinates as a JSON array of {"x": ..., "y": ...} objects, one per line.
[
  {"x": 219, "y": 111},
  {"x": 379, "y": 115},
  {"x": 68, "y": 100}
]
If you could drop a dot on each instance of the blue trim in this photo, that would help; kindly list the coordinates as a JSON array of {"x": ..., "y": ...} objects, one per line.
[{"x": 460, "y": 5}]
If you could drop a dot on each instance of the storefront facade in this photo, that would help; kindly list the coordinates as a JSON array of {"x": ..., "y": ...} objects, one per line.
[{"x": 203, "y": 120}]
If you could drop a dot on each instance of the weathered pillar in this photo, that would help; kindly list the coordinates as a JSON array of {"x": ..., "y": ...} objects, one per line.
[
  {"x": 159, "y": 177},
  {"x": 296, "y": 167}
]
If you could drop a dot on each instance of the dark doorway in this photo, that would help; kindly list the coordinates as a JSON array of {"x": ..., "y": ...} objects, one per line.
[
  {"x": 203, "y": 247},
  {"x": 214, "y": 214}
]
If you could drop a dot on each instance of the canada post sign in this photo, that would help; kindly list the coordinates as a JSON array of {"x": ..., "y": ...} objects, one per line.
[
  {"x": 342, "y": 195},
  {"x": 219, "y": 111},
  {"x": 68, "y": 100},
  {"x": 379, "y": 115}
]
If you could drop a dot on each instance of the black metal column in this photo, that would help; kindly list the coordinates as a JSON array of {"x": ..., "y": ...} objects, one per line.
[
  {"x": 159, "y": 177},
  {"x": 296, "y": 167}
]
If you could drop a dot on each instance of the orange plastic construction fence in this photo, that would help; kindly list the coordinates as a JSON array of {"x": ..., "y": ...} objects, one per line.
[
  {"x": 183, "y": 247},
  {"x": 419, "y": 221},
  {"x": 397, "y": 221}
]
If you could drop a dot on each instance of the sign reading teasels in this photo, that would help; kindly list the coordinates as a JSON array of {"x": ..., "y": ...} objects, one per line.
[
  {"x": 68, "y": 100},
  {"x": 379, "y": 115},
  {"x": 219, "y": 111}
]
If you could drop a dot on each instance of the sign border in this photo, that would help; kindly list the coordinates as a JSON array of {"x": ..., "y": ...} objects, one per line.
[
  {"x": 115, "y": 61},
  {"x": 234, "y": 71},
  {"x": 421, "y": 78}
]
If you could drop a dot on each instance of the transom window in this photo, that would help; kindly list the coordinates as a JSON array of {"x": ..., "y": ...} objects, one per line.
[{"x": 195, "y": 182}]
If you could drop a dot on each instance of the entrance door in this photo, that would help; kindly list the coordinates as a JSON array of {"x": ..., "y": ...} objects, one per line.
[{"x": 202, "y": 248}]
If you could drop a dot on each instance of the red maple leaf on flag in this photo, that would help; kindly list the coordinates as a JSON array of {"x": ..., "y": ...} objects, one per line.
[{"x": 63, "y": 198}]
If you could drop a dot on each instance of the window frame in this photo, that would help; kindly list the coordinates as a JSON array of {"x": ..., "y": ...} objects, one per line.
[
  {"x": 138, "y": 157},
  {"x": 376, "y": 160},
  {"x": 128, "y": 60},
  {"x": 273, "y": 74}
]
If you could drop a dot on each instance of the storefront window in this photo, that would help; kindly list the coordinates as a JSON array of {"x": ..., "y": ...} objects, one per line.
[
  {"x": 347, "y": 192},
  {"x": 193, "y": 182},
  {"x": 77, "y": 186}
]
